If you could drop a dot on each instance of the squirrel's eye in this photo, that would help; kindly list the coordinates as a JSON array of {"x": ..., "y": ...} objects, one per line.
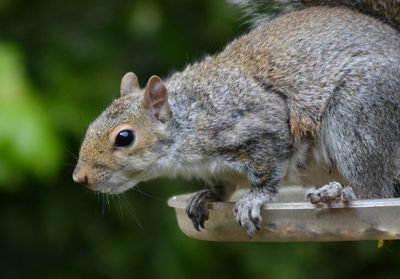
[{"x": 124, "y": 138}]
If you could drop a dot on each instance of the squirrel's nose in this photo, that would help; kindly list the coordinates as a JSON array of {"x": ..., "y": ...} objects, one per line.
[{"x": 81, "y": 177}]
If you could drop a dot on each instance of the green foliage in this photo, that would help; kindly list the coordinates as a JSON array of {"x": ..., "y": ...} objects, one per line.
[
  {"x": 28, "y": 143},
  {"x": 60, "y": 63}
]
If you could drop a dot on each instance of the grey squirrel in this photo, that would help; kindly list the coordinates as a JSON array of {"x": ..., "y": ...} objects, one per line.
[{"x": 319, "y": 85}]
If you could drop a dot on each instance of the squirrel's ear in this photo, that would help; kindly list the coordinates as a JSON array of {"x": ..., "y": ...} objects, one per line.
[
  {"x": 156, "y": 99},
  {"x": 129, "y": 83}
]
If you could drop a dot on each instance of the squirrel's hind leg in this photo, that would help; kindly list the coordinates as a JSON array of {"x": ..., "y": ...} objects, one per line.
[
  {"x": 333, "y": 191},
  {"x": 361, "y": 132}
]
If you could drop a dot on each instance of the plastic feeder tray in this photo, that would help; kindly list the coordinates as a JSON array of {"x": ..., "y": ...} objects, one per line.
[{"x": 290, "y": 218}]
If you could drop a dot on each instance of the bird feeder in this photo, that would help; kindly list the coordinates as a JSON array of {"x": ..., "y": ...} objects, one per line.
[{"x": 290, "y": 218}]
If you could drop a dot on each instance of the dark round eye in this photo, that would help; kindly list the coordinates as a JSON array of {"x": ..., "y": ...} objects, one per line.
[{"x": 124, "y": 138}]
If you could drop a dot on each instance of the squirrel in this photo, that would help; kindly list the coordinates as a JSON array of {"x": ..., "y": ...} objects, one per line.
[{"x": 317, "y": 85}]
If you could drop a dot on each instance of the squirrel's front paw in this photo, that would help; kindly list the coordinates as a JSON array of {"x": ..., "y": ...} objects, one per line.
[
  {"x": 248, "y": 210},
  {"x": 197, "y": 207}
]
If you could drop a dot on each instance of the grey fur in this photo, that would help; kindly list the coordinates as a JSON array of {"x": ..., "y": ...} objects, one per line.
[
  {"x": 322, "y": 83},
  {"x": 255, "y": 10}
]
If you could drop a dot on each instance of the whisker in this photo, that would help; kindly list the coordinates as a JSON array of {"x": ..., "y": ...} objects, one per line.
[
  {"x": 130, "y": 210},
  {"x": 103, "y": 203},
  {"x": 108, "y": 202},
  {"x": 68, "y": 164},
  {"x": 148, "y": 195},
  {"x": 72, "y": 154},
  {"x": 118, "y": 199}
]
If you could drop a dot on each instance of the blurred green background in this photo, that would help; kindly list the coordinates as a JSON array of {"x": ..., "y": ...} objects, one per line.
[{"x": 60, "y": 64}]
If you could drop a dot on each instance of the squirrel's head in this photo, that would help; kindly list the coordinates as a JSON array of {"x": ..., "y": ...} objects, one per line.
[{"x": 120, "y": 146}]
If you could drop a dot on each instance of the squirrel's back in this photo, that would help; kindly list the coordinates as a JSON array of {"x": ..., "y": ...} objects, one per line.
[
  {"x": 386, "y": 10},
  {"x": 306, "y": 54}
]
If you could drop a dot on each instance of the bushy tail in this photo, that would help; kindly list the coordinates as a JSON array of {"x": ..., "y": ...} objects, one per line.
[{"x": 259, "y": 11}]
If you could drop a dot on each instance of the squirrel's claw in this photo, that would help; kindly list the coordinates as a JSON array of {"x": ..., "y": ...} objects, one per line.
[
  {"x": 197, "y": 207},
  {"x": 333, "y": 191},
  {"x": 248, "y": 211}
]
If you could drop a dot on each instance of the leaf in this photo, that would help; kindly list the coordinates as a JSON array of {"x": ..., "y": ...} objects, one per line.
[{"x": 29, "y": 144}]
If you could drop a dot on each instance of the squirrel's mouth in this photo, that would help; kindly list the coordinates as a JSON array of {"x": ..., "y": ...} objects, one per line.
[{"x": 116, "y": 189}]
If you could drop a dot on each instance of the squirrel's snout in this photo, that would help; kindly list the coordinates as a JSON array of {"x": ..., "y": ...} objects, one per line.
[{"x": 82, "y": 177}]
